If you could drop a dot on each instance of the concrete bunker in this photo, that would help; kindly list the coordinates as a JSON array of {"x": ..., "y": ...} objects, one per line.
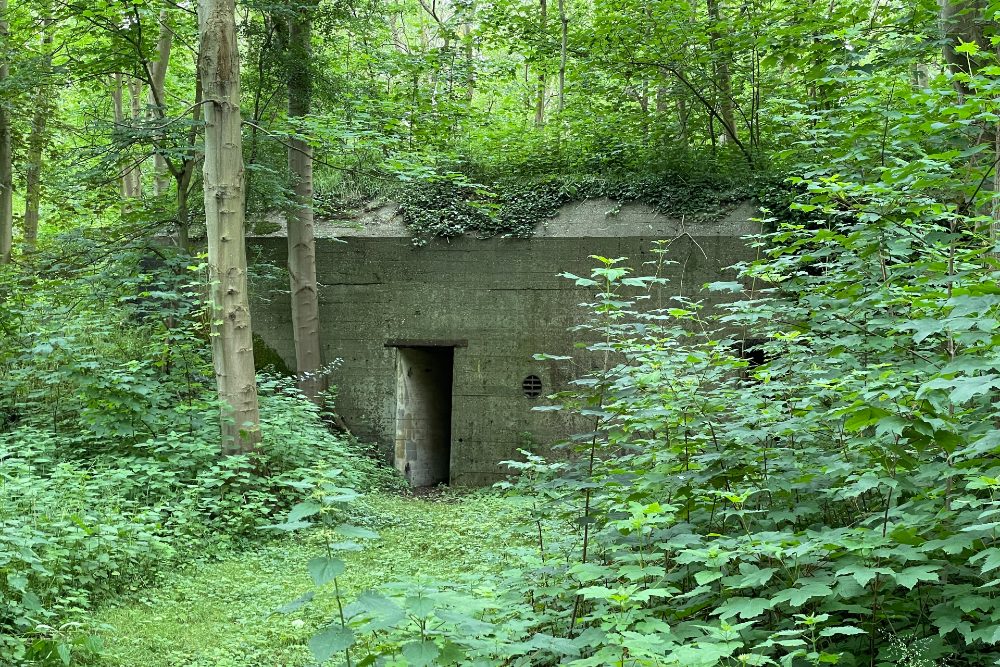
[
  {"x": 476, "y": 312},
  {"x": 424, "y": 383}
]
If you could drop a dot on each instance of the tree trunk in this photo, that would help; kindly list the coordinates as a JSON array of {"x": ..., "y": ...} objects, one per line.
[
  {"x": 563, "y": 47},
  {"x": 470, "y": 64},
  {"x": 540, "y": 97},
  {"x": 232, "y": 338},
  {"x": 130, "y": 184},
  {"x": 723, "y": 81},
  {"x": 961, "y": 21},
  {"x": 6, "y": 168},
  {"x": 133, "y": 178},
  {"x": 119, "y": 117},
  {"x": 186, "y": 172},
  {"x": 36, "y": 146},
  {"x": 157, "y": 96},
  {"x": 682, "y": 121},
  {"x": 301, "y": 242}
]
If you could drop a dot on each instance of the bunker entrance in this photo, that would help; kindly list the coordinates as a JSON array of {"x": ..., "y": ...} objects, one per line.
[{"x": 423, "y": 412}]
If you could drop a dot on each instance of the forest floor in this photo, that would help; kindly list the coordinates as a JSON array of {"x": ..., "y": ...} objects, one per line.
[{"x": 221, "y": 613}]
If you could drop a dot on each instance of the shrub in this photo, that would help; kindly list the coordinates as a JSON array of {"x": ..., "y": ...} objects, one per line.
[{"x": 110, "y": 465}]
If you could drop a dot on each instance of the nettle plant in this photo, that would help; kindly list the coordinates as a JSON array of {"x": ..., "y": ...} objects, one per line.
[
  {"x": 414, "y": 624},
  {"x": 830, "y": 505},
  {"x": 835, "y": 504}
]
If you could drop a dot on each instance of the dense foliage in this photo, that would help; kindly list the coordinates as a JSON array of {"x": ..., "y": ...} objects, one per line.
[
  {"x": 805, "y": 476},
  {"x": 110, "y": 469},
  {"x": 483, "y": 94}
]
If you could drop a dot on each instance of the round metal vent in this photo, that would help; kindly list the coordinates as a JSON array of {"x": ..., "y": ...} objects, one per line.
[{"x": 532, "y": 386}]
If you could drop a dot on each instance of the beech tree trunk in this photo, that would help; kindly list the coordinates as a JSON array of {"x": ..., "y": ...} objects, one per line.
[
  {"x": 36, "y": 147},
  {"x": 563, "y": 47},
  {"x": 232, "y": 338},
  {"x": 131, "y": 185},
  {"x": 723, "y": 80},
  {"x": 962, "y": 21},
  {"x": 134, "y": 175},
  {"x": 186, "y": 172},
  {"x": 119, "y": 116},
  {"x": 540, "y": 97},
  {"x": 301, "y": 240},
  {"x": 157, "y": 95},
  {"x": 6, "y": 167}
]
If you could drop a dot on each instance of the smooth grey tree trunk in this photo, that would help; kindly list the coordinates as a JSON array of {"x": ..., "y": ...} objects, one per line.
[
  {"x": 157, "y": 96},
  {"x": 232, "y": 338},
  {"x": 962, "y": 21},
  {"x": 119, "y": 116},
  {"x": 563, "y": 46},
  {"x": 6, "y": 161},
  {"x": 301, "y": 239},
  {"x": 723, "y": 79},
  {"x": 134, "y": 175},
  {"x": 541, "y": 93},
  {"x": 131, "y": 184},
  {"x": 36, "y": 147},
  {"x": 186, "y": 172}
]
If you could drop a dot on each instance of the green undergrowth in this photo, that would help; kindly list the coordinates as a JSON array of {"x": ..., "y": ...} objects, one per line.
[
  {"x": 111, "y": 472},
  {"x": 221, "y": 614}
]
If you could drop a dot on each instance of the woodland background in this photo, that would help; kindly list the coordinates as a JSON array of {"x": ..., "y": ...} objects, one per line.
[{"x": 807, "y": 477}]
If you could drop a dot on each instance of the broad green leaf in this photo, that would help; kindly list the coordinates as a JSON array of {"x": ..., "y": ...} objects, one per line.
[
  {"x": 911, "y": 576},
  {"x": 750, "y": 576},
  {"x": 707, "y": 576},
  {"x": 65, "y": 653},
  {"x": 333, "y": 639},
  {"x": 745, "y": 608},
  {"x": 303, "y": 510},
  {"x": 797, "y": 597},
  {"x": 324, "y": 569},
  {"x": 419, "y": 605},
  {"x": 355, "y": 532},
  {"x": 420, "y": 653}
]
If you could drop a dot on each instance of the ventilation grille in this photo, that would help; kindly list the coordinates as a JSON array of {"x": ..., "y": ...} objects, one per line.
[{"x": 532, "y": 386}]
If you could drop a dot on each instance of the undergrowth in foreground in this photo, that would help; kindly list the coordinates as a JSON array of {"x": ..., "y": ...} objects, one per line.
[
  {"x": 836, "y": 504},
  {"x": 110, "y": 466},
  {"x": 222, "y": 614}
]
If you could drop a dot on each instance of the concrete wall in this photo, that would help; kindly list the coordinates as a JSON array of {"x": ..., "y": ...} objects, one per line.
[{"x": 501, "y": 298}]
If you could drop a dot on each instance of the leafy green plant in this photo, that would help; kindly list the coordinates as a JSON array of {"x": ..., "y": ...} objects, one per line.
[
  {"x": 110, "y": 469},
  {"x": 325, "y": 509}
]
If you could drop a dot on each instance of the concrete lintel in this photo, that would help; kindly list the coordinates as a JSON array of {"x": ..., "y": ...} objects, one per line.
[{"x": 422, "y": 342}]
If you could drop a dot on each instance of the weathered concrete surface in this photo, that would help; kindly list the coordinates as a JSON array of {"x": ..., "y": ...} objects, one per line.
[{"x": 503, "y": 296}]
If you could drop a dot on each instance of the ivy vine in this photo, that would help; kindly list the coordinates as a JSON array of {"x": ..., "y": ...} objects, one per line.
[{"x": 447, "y": 207}]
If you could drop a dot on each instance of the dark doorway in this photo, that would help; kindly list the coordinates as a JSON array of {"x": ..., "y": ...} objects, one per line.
[{"x": 423, "y": 413}]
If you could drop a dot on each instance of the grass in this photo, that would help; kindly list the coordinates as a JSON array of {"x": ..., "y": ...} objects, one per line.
[{"x": 219, "y": 614}]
